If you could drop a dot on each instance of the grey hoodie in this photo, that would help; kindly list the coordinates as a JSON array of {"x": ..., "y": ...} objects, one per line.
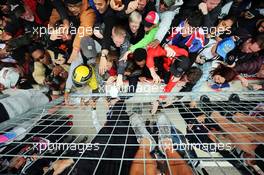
[{"x": 20, "y": 101}]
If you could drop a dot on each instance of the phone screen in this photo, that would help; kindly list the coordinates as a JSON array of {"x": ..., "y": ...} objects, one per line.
[{"x": 2, "y": 45}]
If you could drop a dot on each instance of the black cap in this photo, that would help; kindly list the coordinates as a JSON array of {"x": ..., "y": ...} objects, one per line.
[
  {"x": 72, "y": 1},
  {"x": 180, "y": 66},
  {"x": 147, "y": 24},
  {"x": 34, "y": 47},
  {"x": 3, "y": 2},
  {"x": 140, "y": 54},
  {"x": 10, "y": 29}
]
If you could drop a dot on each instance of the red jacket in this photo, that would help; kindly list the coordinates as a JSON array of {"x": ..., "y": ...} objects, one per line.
[
  {"x": 161, "y": 52},
  {"x": 112, "y": 71},
  {"x": 32, "y": 4}
]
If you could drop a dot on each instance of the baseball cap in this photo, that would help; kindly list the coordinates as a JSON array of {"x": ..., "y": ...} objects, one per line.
[
  {"x": 72, "y": 1},
  {"x": 139, "y": 54},
  {"x": 9, "y": 77},
  {"x": 17, "y": 9},
  {"x": 88, "y": 48},
  {"x": 180, "y": 66},
  {"x": 151, "y": 19},
  {"x": 169, "y": 2},
  {"x": 225, "y": 46}
]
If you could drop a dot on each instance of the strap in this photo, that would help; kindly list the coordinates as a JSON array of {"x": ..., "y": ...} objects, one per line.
[
  {"x": 84, "y": 58},
  {"x": 56, "y": 55},
  {"x": 205, "y": 47},
  {"x": 98, "y": 15}
]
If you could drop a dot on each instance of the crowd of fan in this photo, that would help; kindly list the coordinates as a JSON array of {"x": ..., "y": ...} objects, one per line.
[{"x": 64, "y": 45}]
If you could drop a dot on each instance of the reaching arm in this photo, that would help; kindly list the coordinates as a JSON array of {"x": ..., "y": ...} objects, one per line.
[{"x": 148, "y": 38}]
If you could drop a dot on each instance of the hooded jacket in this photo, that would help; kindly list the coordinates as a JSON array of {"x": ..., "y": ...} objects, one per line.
[
  {"x": 161, "y": 52},
  {"x": 20, "y": 101}
]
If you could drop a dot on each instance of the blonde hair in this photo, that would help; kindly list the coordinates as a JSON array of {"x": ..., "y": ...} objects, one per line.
[
  {"x": 135, "y": 16},
  {"x": 119, "y": 30}
]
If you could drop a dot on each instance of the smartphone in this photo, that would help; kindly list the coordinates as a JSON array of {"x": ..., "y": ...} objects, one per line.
[
  {"x": 249, "y": 15},
  {"x": 2, "y": 45}
]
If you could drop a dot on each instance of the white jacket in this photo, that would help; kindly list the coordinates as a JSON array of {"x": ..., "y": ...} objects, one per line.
[
  {"x": 166, "y": 18},
  {"x": 20, "y": 101}
]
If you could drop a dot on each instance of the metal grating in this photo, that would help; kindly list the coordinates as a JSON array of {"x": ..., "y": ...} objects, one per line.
[{"x": 67, "y": 132}]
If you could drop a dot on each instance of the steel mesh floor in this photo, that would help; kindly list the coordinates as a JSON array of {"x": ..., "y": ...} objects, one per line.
[{"x": 58, "y": 132}]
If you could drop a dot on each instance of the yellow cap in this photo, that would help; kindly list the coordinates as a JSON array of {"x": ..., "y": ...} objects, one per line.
[{"x": 82, "y": 74}]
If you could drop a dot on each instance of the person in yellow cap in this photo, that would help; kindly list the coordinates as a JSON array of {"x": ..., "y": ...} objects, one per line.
[
  {"x": 82, "y": 73},
  {"x": 83, "y": 76}
]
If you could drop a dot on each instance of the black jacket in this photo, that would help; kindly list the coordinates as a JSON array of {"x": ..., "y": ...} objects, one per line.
[
  {"x": 251, "y": 66},
  {"x": 110, "y": 19},
  {"x": 238, "y": 57},
  {"x": 136, "y": 38},
  {"x": 209, "y": 20}
]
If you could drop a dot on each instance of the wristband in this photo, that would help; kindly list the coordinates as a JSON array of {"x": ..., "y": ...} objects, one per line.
[{"x": 67, "y": 90}]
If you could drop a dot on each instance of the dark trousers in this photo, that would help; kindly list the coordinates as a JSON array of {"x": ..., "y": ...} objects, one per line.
[
  {"x": 132, "y": 82},
  {"x": 112, "y": 139},
  {"x": 3, "y": 113}
]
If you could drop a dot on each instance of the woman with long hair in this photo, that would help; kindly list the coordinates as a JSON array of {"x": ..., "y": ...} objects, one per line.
[{"x": 224, "y": 74}]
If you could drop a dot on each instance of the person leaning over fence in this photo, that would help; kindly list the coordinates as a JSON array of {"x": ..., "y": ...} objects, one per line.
[{"x": 18, "y": 101}]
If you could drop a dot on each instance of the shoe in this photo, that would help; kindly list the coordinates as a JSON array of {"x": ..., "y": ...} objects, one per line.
[
  {"x": 204, "y": 105},
  {"x": 204, "y": 99},
  {"x": 147, "y": 122},
  {"x": 178, "y": 139},
  {"x": 250, "y": 87},
  {"x": 164, "y": 127},
  {"x": 153, "y": 127},
  {"x": 178, "y": 2},
  {"x": 137, "y": 109},
  {"x": 234, "y": 98},
  {"x": 140, "y": 130},
  {"x": 40, "y": 144},
  {"x": 4, "y": 164},
  {"x": 16, "y": 134},
  {"x": 96, "y": 123},
  {"x": 155, "y": 107}
]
